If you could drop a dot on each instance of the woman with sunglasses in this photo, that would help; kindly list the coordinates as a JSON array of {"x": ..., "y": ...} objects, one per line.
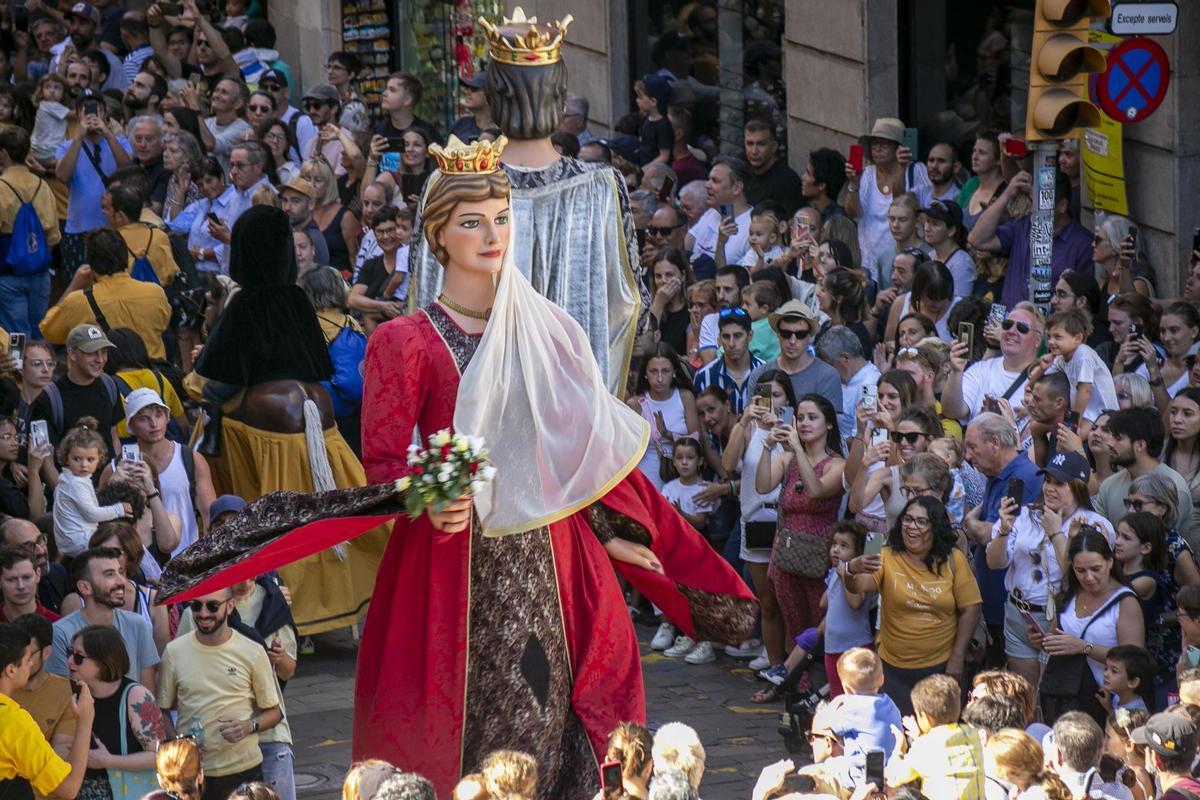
[
  {"x": 747, "y": 445},
  {"x": 1158, "y": 496},
  {"x": 259, "y": 109},
  {"x": 129, "y": 724},
  {"x": 1030, "y": 542},
  {"x": 1096, "y": 612},
  {"x": 879, "y": 476},
  {"x": 805, "y": 459},
  {"x": 920, "y": 567},
  {"x": 671, "y": 278}
]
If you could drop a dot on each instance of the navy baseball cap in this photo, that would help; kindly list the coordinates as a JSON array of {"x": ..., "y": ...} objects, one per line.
[
  {"x": 1067, "y": 467},
  {"x": 223, "y": 505},
  {"x": 273, "y": 75}
]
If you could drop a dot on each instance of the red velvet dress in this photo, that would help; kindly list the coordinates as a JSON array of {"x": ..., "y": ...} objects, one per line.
[{"x": 522, "y": 642}]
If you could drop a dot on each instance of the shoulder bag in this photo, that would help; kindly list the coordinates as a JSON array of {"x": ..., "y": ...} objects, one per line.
[{"x": 127, "y": 784}]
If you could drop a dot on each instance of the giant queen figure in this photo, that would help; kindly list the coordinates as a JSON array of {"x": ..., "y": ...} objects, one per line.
[
  {"x": 576, "y": 243},
  {"x": 498, "y": 622}
]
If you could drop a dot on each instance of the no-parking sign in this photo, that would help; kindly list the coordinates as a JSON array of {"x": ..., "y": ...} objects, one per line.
[{"x": 1136, "y": 81}]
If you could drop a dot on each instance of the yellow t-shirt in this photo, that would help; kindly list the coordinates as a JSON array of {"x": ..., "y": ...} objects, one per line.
[
  {"x": 24, "y": 751},
  {"x": 919, "y": 610},
  {"x": 210, "y": 682}
]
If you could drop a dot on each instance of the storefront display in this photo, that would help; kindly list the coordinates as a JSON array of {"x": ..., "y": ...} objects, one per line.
[{"x": 367, "y": 32}]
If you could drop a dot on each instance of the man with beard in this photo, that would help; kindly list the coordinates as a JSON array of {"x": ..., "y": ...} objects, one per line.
[
  {"x": 1047, "y": 402},
  {"x": 943, "y": 166},
  {"x": 144, "y": 95},
  {"x": 225, "y": 680},
  {"x": 146, "y": 135},
  {"x": 100, "y": 581},
  {"x": 1135, "y": 437},
  {"x": 53, "y": 582},
  {"x": 298, "y": 197},
  {"x": 83, "y": 22}
]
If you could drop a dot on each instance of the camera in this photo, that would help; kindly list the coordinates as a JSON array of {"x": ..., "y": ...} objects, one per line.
[{"x": 800, "y": 705}]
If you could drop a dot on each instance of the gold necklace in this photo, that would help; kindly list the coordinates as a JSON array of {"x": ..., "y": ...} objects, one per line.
[{"x": 466, "y": 312}]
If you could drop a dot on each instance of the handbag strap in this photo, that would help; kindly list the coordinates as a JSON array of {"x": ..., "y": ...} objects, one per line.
[
  {"x": 1020, "y": 379},
  {"x": 123, "y": 719},
  {"x": 1112, "y": 601}
]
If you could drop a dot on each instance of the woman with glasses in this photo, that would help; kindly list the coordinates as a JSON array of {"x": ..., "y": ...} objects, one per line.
[
  {"x": 879, "y": 476},
  {"x": 1114, "y": 252},
  {"x": 920, "y": 567},
  {"x": 1031, "y": 543},
  {"x": 804, "y": 462},
  {"x": 129, "y": 724},
  {"x": 259, "y": 109},
  {"x": 902, "y": 217},
  {"x": 896, "y": 391},
  {"x": 1157, "y": 495},
  {"x": 208, "y": 252},
  {"x": 1096, "y": 612},
  {"x": 374, "y": 293},
  {"x": 701, "y": 301},
  {"x": 670, "y": 281},
  {"x": 276, "y": 137},
  {"x": 747, "y": 445}
]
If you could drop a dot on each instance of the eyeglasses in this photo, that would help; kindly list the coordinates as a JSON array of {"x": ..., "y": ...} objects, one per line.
[
  {"x": 76, "y": 656},
  {"x": 271, "y": 87},
  {"x": 1035, "y": 558},
  {"x": 1135, "y": 505},
  {"x": 798, "y": 335},
  {"x": 920, "y": 523},
  {"x": 275, "y": 136},
  {"x": 201, "y": 43},
  {"x": 736, "y": 311},
  {"x": 1022, "y": 327},
  {"x": 916, "y": 252},
  {"x": 813, "y": 736},
  {"x": 910, "y": 492},
  {"x": 311, "y": 104},
  {"x": 240, "y": 165},
  {"x": 260, "y": 109},
  {"x": 912, "y": 437},
  {"x": 908, "y": 351},
  {"x": 213, "y": 606},
  {"x": 334, "y": 65},
  {"x": 664, "y": 231}
]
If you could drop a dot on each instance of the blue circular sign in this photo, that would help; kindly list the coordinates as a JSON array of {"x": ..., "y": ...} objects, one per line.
[{"x": 1136, "y": 81}]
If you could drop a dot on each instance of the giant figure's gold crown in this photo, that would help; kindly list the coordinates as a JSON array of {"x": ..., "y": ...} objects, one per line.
[
  {"x": 477, "y": 158},
  {"x": 525, "y": 42}
]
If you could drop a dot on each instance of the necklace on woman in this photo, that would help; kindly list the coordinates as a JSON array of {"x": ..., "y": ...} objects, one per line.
[{"x": 466, "y": 312}]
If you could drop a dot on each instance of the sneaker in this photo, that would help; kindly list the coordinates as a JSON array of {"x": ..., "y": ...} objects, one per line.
[
  {"x": 664, "y": 637},
  {"x": 683, "y": 645},
  {"x": 775, "y": 674},
  {"x": 761, "y": 662},
  {"x": 747, "y": 649},
  {"x": 703, "y": 654}
]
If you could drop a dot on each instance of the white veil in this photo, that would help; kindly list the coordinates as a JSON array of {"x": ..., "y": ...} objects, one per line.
[{"x": 558, "y": 438}]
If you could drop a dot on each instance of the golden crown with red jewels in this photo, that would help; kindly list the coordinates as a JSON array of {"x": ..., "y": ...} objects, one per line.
[
  {"x": 524, "y": 42},
  {"x": 477, "y": 158}
]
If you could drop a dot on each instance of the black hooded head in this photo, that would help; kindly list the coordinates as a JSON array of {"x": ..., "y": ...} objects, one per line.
[{"x": 261, "y": 251}]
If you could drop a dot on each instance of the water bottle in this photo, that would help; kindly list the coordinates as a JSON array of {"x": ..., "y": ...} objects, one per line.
[{"x": 197, "y": 733}]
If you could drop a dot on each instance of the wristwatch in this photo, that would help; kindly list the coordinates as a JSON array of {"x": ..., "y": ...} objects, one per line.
[
  {"x": 254, "y": 722},
  {"x": 1088, "y": 648},
  {"x": 1157, "y": 381}
]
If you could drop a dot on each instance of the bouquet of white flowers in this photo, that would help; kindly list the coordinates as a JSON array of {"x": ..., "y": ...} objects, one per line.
[{"x": 452, "y": 465}]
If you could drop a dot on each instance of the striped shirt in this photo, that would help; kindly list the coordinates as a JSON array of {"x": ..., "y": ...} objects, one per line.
[{"x": 715, "y": 373}]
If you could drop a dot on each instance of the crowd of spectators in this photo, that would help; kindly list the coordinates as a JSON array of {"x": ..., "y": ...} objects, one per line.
[{"x": 926, "y": 479}]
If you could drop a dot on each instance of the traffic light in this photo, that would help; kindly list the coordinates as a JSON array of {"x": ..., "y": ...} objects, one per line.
[{"x": 1059, "y": 65}]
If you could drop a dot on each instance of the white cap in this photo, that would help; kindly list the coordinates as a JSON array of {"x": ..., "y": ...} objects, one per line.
[{"x": 139, "y": 399}]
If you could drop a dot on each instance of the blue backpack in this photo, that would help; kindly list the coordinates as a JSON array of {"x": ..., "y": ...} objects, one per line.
[
  {"x": 26, "y": 251},
  {"x": 143, "y": 270}
]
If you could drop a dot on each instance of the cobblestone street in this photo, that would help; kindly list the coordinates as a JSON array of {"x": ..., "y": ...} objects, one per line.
[{"x": 740, "y": 737}]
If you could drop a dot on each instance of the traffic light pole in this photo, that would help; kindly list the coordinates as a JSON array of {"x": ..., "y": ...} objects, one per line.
[{"x": 1041, "y": 227}]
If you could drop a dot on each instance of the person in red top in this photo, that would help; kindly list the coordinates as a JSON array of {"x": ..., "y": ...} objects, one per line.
[
  {"x": 1170, "y": 742},
  {"x": 19, "y": 584}
]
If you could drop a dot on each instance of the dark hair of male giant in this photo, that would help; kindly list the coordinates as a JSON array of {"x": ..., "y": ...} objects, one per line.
[
  {"x": 1088, "y": 540},
  {"x": 944, "y": 538},
  {"x": 526, "y": 102},
  {"x": 446, "y": 191}
]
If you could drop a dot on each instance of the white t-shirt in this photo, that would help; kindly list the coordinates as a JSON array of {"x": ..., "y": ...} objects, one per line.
[
  {"x": 873, "y": 233},
  {"x": 1086, "y": 366},
  {"x": 685, "y": 494},
  {"x": 704, "y": 233},
  {"x": 749, "y": 259},
  {"x": 990, "y": 377}
]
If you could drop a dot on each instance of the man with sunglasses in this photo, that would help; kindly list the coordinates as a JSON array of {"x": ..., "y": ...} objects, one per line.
[
  {"x": 24, "y": 751},
  {"x": 1136, "y": 438},
  {"x": 969, "y": 391},
  {"x": 100, "y": 582},
  {"x": 794, "y": 323},
  {"x": 225, "y": 679},
  {"x": 275, "y": 83},
  {"x": 667, "y": 227}
]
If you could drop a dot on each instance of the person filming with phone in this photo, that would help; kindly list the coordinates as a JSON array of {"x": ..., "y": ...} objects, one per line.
[{"x": 1030, "y": 544}]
